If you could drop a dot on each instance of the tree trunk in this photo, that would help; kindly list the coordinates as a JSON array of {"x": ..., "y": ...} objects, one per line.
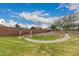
[
  {"x": 31, "y": 33},
  {"x": 20, "y": 33}
]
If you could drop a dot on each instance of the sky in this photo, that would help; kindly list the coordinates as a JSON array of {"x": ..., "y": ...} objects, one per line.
[{"x": 34, "y": 13}]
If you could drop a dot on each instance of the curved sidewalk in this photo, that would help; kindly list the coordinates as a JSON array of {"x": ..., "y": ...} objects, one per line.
[{"x": 66, "y": 37}]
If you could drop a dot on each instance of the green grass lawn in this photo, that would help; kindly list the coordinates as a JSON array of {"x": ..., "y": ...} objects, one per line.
[
  {"x": 46, "y": 37},
  {"x": 12, "y": 46}
]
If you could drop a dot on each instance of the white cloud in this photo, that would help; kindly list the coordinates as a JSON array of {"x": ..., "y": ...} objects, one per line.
[
  {"x": 42, "y": 26},
  {"x": 14, "y": 13},
  {"x": 41, "y": 16},
  {"x": 38, "y": 16},
  {"x": 27, "y": 25},
  {"x": 22, "y": 25},
  {"x": 10, "y": 23},
  {"x": 2, "y": 21},
  {"x": 70, "y": 6},
  {"x": 62, "y": 5},
  {"x": 30, "y": 25},
  {"x": 40, "y": 13},
  {"x": 74, "y": 6}
]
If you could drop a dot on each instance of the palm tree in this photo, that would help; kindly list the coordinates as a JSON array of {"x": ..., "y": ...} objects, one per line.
[
  {"x": 18, "y": 27},
  {"x": 31, "y": 32}
]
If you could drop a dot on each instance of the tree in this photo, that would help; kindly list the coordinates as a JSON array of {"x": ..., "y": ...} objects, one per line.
[
  {"x": 20, "y": 30},
  {"x": 66, "y": 21},
  {"x": 53, "y": 26},
  {"x": 33, "y": 28}
]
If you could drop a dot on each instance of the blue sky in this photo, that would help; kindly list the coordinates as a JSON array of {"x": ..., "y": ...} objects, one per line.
[
  {"x": 24, "y": 12},
  {"x": 30, "y": 7}
]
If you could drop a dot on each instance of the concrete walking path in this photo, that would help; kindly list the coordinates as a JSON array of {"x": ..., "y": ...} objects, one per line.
[{"x": 66, "y": 37}]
